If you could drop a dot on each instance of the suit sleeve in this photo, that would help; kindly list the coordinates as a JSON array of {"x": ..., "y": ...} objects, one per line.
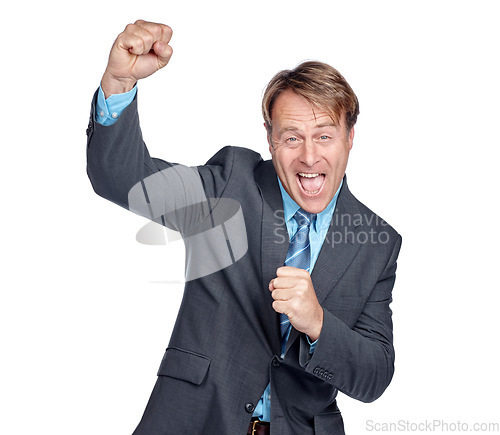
[
  {"x": 117, "y": 157},
  {"x": 121, "y": 170},
  {"x": 359, "y": 361}
]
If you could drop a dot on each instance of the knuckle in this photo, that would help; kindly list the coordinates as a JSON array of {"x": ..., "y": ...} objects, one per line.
[
  {"x": 148, "y": 38},
  {"x": 167, "y": 30},
  {"x": 156, "y": 28},
  {"x": 130, "y": 27}
]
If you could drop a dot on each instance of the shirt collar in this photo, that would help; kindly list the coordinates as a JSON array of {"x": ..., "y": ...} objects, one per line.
[{"x": 290, "y": 207}]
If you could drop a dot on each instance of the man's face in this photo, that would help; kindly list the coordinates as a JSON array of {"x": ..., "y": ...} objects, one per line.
[{"x": 309, "y": 151}]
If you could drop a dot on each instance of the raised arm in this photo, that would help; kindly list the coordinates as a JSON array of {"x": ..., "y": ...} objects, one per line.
[{"x": 117, "y": 157}]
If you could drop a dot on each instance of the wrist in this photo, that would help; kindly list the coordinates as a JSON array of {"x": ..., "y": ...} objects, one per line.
[
  {"x": 315, "y": 331},
  {"x": 111, "y": 85}
]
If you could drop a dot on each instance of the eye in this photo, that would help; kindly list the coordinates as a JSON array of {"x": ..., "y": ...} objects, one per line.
[
  {"x": 292, "y": 141},
  {"x": 324, "y": 137}
]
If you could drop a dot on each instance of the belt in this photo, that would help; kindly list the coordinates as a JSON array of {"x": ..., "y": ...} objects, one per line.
[{"x": 258, "y": 427}]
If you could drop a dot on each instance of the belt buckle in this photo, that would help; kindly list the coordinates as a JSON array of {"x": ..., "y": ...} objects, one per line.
[{"x": 254, "y": 423}]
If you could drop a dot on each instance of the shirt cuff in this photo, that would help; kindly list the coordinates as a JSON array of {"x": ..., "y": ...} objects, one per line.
[
  {"x": 312, "y": 345},
  {"x": 109, "y": 109}
]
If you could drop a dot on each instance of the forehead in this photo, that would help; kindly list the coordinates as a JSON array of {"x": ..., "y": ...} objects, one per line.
[{"x": 291, "y": 108}]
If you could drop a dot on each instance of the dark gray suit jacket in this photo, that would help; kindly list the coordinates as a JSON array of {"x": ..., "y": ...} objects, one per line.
[{"x": 225, "y": 346}]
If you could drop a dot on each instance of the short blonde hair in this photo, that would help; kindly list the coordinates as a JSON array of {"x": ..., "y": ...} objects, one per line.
[{"x": 321, "y": 85}]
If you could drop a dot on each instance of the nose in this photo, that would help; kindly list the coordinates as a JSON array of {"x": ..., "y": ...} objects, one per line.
[{"x": 309, "y": 154}]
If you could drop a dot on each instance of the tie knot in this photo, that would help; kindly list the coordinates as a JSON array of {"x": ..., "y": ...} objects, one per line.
[{"x": 303, "y": 218}]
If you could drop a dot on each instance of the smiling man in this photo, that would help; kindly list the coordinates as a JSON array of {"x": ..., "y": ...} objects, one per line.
[
  {"x": 264, "y": 341},
  {"x": 310, "y": 132}
]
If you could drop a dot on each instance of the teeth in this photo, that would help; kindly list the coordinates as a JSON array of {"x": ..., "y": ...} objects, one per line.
[
  {"x": 303, "y": 174},
  {"x": 312, "y": 192}
]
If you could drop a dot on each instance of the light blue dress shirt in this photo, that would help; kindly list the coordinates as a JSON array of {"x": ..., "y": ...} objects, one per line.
[{"x": 109, "y": 110}]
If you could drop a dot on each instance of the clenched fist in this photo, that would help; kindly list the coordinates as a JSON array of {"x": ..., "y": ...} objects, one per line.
[
  {"x": 139, "y": 51},
  {"x": 294, "y": 295}
]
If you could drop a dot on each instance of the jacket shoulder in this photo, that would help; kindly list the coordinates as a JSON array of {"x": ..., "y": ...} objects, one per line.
[
  {"x": 235, "y": 156},
  {"x": 229, "y": 165}
]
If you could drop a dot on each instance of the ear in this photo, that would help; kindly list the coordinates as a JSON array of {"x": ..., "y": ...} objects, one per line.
[{"x": 351, "y": 137}]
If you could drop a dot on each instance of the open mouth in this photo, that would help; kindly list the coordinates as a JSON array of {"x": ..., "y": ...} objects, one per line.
[{"x": 311, "y": 183}]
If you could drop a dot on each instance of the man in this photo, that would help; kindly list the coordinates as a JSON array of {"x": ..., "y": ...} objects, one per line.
[{"x": 275, "y": 325}]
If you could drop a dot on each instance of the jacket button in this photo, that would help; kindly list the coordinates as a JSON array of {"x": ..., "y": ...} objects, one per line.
[
  {"x": 249, "y": 407},
  {"x": 276, "y": 361}
]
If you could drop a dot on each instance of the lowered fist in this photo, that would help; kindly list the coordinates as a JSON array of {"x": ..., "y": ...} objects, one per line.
[
  {"x": 139, "y": 51},
  {"x": 294, "y": 295}
]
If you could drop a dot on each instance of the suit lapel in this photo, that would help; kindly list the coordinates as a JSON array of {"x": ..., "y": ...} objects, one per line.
[{"x": 274, "y": 244}]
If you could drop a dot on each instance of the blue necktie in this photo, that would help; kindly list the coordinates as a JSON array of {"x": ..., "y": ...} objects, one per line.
[{"x": 298, "y": 255}]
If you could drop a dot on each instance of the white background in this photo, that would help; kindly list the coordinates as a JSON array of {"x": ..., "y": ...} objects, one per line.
[{"x": 86, "y": 311}]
